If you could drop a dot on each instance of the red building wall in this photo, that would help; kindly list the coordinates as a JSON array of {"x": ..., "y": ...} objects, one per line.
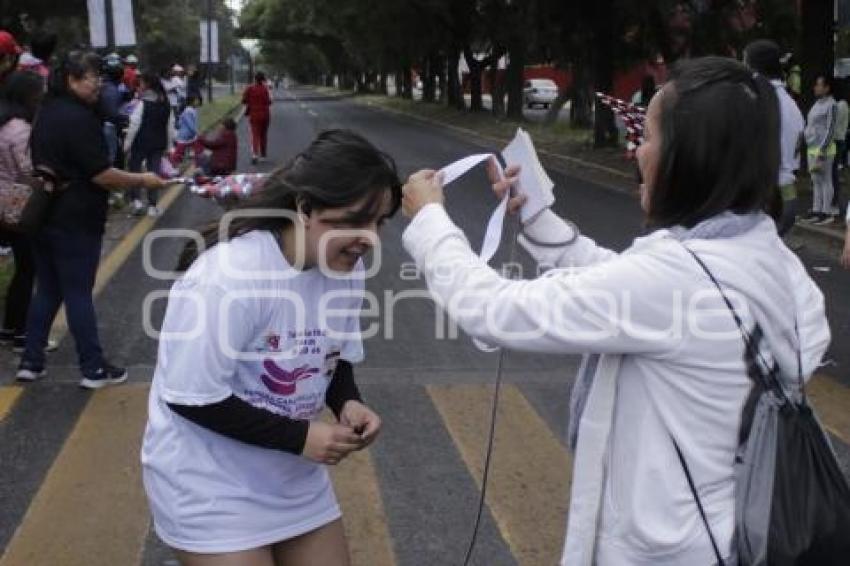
[{"x": 625, "y": 82}]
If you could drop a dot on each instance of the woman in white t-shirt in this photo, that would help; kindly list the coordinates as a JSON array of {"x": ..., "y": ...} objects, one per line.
[{"x": 260, "y": 334}]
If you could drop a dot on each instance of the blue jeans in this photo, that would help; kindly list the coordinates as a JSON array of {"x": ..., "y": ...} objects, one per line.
[{"x": 65, "y": 266}]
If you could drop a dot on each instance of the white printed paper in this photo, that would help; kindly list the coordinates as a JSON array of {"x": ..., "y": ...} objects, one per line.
[{"x": 533, "y": 182}]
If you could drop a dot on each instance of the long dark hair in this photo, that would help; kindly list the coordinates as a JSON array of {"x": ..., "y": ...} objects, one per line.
[
  {"x": 20, "y": 96},
  {"x": 339, "y": 168},
  {"x": 719, "y": 143}
]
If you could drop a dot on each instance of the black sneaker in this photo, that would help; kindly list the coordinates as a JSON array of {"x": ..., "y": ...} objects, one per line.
[
  {"x": 106, "y": 375},
  {"x": 29, "y": 372},
  {"x": 811, "y": 217}
]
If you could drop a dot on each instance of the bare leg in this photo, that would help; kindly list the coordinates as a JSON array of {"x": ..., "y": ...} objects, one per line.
[
  {"x": 256, "y": 557},
  {"x": 326, "y": 546}
]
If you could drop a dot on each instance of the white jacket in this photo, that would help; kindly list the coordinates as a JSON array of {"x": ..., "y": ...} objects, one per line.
[{"x": 672, "y": 364}]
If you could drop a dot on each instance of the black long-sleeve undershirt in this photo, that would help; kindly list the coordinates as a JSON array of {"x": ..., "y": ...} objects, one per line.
[{"x": 239, "y": 420}]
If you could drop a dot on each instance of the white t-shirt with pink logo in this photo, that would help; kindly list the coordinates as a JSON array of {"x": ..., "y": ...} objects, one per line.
[{"x": 243, "y": 322}]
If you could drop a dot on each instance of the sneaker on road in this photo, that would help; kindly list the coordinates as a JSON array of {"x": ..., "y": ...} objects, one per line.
[
  {"x": 107, "y": 375},
  {"x": 137, "y": 208},
  {"x": 19, "y": 344},
  {"x": 824, "y": 220},
  {"x": 29, "y": 372}
]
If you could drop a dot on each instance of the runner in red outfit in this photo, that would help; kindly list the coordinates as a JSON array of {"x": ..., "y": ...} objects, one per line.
[{"x": 257, "y": 101}]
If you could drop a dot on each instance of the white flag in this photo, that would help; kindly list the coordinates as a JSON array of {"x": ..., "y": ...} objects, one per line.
[
  {"x": 97, "y": 22},
  {"x": 204, "y": 52},
  {"x": 124, "y": 26}
]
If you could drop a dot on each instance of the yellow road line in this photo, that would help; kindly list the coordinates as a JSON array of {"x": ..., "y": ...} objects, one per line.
[
  {"x": 359, "y": 495},
  {"x": 91, "y": 509},
  {"x": 116, "y": 258},
  {"x": 8, "y": 395},
  {"x": 831, "y": 401},
  {"x": 356, "y": 486},
  {"x": 530, "y": 472}
]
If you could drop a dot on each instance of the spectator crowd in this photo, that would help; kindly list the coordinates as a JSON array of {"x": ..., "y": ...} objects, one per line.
[{"x": 84, "y": 131}]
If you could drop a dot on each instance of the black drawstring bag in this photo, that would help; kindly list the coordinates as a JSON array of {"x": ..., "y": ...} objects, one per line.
[{"x": 792, "y": 503}]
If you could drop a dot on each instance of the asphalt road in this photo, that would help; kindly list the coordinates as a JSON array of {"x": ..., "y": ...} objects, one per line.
[{"x": 432, "y": 392}]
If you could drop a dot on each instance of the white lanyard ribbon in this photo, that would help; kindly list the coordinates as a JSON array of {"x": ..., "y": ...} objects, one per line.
[
  {"x": 532, "y": 182},
  {"x": 493, "y": 235}
]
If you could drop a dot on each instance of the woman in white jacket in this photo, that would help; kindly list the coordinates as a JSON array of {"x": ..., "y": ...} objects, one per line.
[{"x": 664, "y": 359}]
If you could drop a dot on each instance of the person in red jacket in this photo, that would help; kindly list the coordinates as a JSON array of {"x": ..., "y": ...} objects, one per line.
[
  {"x": 257, "y": 102},
  {"x": 224, "y": 149}
]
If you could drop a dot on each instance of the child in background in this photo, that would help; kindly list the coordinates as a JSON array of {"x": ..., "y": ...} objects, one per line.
[
  {"x": 187, "y": 134},
  {"x": 224, "y": 145}
]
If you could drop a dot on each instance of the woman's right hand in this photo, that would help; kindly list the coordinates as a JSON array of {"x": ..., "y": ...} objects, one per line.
[
  {"x": 503, "y": 184},
  {"x": 329, "y": 443},
  {"x": 152, "y": 181}
]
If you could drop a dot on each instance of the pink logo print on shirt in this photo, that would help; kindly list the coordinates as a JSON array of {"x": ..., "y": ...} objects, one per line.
[{"x": 283, "y": 382}]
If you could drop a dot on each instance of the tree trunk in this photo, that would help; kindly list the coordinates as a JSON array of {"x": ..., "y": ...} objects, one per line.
[
  {"x": 429, "y": 83},
  {"x": 497, "y": 91},
  {"x": 604, "y": 130},
  {"x": 555, "y": 109},
  {"x": 581, "y": 99},
  {"x": 454, "y": 94},
  {"x": 441, "y": 79},
  {"x": 476, "y": 103},
  {"x": 382, "y": 84},
  {"x": 406, "y": 83},
  {"x": 399, "y": 80},
  {"x": 514, "y": 79},
  {"x": 817, "y": 44}
]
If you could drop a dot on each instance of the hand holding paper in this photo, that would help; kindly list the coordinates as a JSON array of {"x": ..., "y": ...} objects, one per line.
[
  {"x": 532, "y": 194},
  {"x": 422, "y": 188},
  {"x": 533, "y": 181}
]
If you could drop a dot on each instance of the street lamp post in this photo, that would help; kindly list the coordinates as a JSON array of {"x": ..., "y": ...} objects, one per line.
[{"x": 110, "y": 29}]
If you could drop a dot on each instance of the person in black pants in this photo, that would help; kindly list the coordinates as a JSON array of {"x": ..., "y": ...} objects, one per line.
[
  {"x": 67, "y": 138},
  {"x": 150, "y": 133}
]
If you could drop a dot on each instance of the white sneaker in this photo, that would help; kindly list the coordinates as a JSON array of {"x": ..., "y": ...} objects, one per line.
[
  {"x": 153, "y": 211},
  {"x": 29, "y": 373},
  {"x": 137, "y": 208},
  {"x": 825, "y": 221}
]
